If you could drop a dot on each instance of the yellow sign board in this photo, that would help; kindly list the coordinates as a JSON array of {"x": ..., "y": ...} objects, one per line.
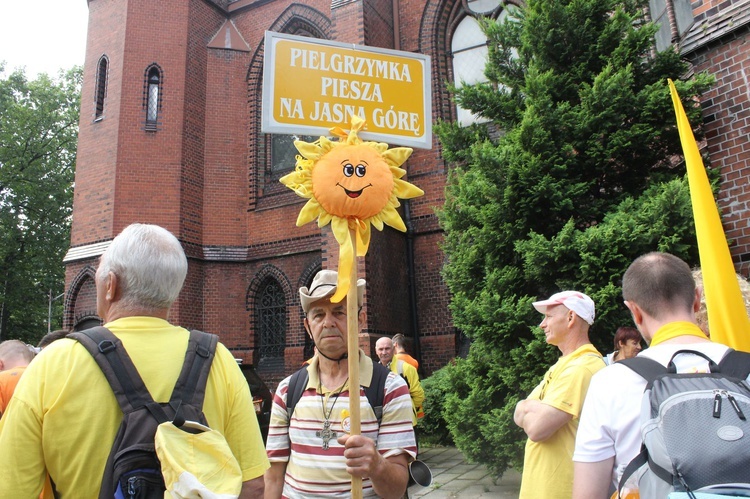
[{"x": 311, "y": 85}]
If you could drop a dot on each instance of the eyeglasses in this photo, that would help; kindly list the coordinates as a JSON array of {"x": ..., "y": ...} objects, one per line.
[{"x": 545, "y": 383}]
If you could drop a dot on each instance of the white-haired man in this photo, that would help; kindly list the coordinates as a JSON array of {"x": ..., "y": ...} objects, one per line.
[
  {"x": 310, "y": 451},
  {"x": 549, "y": 415},
  {"x": 384, "y": 350},
  {"x": 64, "y": 415}
]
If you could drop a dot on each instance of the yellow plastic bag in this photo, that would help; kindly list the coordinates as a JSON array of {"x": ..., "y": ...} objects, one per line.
[{"x": 196, "y": 462}]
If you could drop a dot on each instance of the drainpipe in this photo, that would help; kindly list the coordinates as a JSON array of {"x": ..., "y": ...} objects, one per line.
[
  {"x": 407, "y": 216},
  {"x": 412, "y": 278},
  {"x": 396, "y": 27}
]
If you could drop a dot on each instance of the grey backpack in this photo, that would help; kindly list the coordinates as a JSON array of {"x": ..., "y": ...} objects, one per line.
[{"x": 694, "y": 429}]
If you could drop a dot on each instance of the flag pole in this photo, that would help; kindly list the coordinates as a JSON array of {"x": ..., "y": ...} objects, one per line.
[{"x": 352, "y": 317}]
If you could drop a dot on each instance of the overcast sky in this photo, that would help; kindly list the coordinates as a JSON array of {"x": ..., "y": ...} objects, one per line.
[{"x": 43, "y": 35}]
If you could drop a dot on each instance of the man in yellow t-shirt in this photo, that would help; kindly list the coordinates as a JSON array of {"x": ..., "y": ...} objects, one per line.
[
  {"x": 384, "y": 350},
  {"x": 64, "y": 415},
  {"x": 549, "y": 415}
]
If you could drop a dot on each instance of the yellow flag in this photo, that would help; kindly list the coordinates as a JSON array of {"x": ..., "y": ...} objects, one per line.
[{"x": 727, "y": 317}]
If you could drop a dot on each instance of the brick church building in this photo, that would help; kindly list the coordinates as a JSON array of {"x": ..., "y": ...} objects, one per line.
[{"x": 170, "y": 134}]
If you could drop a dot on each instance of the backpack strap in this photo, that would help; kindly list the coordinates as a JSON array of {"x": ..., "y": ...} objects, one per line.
[
  {"x": 123, "y": 377},
  {"x": 126, "y": 383},
  {"x": 735, "y": 364},
  {"x": 374, "y": 392},
  {"x": 644, "y": 367},
  {"x": 636, "y": 463},
  {"x": 297, "y": 385},
  {"x": 649, "y": 370},
  {"x": 633, "y": 465},
  {"x": 191, "y": 384}
]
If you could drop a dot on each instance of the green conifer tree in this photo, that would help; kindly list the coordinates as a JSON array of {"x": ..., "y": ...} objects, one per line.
[{"x": 576, "y": 174}]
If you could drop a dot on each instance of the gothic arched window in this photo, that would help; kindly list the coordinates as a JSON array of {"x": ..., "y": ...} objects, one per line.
[
  {"x": 270, "y": 312},
  {"x": 152, "y": 96},
  {"x": 469, "y": 49},
  {"x": 101, "y": 87},
  {"x": 671, "y": 28},
  {"x": 283, "y": 152}
]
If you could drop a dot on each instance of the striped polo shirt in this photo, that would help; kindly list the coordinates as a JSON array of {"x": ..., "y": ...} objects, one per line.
[{"x": 314, "y": 472}]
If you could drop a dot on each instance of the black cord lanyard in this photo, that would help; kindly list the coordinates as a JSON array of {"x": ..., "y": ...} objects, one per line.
[{"x": 326, "y": 434}]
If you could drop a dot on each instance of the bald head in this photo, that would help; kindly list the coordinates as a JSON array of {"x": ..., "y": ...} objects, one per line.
[
  {"x": 660, "y": 284},
  {"x": 384, "y": 349},
  {"x": 14, "y": 353}
]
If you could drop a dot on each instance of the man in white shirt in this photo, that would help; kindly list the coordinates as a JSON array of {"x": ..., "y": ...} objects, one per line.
[{"x": 659, "y": 291}]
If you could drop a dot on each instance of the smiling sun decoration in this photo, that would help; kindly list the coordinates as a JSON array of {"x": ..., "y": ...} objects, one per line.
[{"x": 352, "y": 185}]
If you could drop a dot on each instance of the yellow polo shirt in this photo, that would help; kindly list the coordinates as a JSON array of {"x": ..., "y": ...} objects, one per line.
[
  {"x": 548, "y": 465},
  {"x": 63, "y": 416}
]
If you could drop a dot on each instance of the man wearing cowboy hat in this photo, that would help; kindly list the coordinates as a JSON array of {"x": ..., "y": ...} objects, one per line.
[{"x": 310, "y": 451}]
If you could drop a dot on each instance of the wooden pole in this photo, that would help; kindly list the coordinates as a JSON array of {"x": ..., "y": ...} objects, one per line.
[{"x": 352, "y": 316}]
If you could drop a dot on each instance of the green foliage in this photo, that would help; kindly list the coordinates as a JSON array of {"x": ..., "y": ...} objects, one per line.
[
  {"x": 433, "y": 428},
  {"x": 581, "y": 181},
  {"x": 38, "y": 137}
]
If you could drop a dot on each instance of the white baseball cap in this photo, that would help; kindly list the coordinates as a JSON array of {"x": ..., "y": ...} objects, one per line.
[{"x": 579, "y": 303}]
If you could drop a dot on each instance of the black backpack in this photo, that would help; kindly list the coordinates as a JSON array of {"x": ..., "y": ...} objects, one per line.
[
  {"x": 133, "y": 469},
  {"x": 374, "y": 392}
]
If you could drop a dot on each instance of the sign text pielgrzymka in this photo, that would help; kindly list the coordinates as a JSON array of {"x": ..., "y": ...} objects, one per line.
[{"x": 312, "y": 85}]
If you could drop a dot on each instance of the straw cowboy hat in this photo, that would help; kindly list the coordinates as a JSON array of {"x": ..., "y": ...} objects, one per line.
[{"x": 323, "y": 285}]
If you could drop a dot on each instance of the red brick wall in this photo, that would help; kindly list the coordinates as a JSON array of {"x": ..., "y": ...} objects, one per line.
[
  {"x": 348, "y": 23},
  {"x": 378, "y": 23},
  {"x": 204, "y": 173},
  {"x": 388, "y": 310},
  {"x": 225, "y": 179},
  {"x": 96, "y": 159},
  {"x": 726, "y": 112},
  {"x": 149, "y": 164},
  {"x": 437, "y": 351}
]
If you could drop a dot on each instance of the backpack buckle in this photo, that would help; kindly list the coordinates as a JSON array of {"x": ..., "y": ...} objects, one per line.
[
  {"x": 106, "y": 346},
  {"x": 202, "y": 351}
]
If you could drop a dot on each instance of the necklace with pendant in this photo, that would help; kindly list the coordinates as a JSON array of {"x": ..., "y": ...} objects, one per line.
[{"x": 327, "y": 434}]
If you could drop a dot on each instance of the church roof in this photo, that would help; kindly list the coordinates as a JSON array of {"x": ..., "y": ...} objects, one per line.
[{"x": 715, "y": 27}]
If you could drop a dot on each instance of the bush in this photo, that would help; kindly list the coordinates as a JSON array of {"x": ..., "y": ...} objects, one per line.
[{"x": 432, "y": 427}]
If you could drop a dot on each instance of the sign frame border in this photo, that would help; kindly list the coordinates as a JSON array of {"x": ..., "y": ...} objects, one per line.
[{"x": 269, "y": 125}]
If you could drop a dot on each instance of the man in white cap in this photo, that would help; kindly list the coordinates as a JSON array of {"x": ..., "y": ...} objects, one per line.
[
  {"x": 311, "y": 452},
  {"x": 549, "y": 415}
]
